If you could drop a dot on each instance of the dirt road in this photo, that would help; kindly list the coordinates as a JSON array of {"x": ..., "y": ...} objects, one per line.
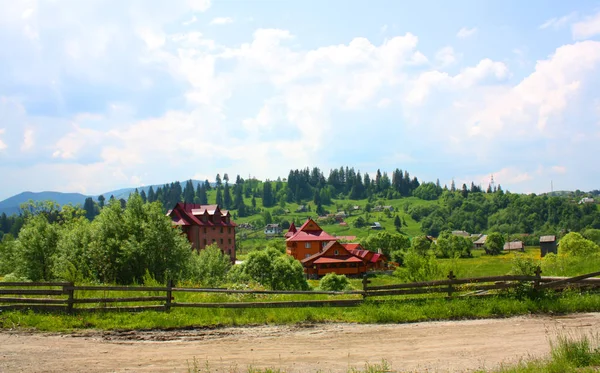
[{"x": 434, "y": 346}]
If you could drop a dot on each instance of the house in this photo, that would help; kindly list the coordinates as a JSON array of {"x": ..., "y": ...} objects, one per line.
[
  {"x": 461, "y": 233},
  {"x": 308, "y": 240},
  {"x": 548, "y": 245},
  {"x": 301, "y": 208},
  {"x": 380, "y": 208},
  {"x": 480, "y": 241},
  {"x": 334, "y": 258},
  {"x": 586, "y": 200},
  {"x": 514, "y": 246},
  {"x": 376, "y": 225},
  {"x": 291, "y": 231},
  {"x": 273, "y": 229},
  {"x": 205, "y": 225},
  {"x": 373, "y": 261}
]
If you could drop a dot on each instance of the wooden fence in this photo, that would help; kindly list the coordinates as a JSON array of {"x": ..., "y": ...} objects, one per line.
[{"x": 66, "y": 297}]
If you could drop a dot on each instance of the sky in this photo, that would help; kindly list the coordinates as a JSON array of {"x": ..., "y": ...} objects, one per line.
[{"x": 102, "y": 95}]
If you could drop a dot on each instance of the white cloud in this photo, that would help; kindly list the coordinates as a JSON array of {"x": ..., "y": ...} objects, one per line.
[
  {"x": 586, "y": 28},
  {"x": 221, "y": 21},
  {"x": 2, "y": 144},
  {"x": 466, "y": 32},
  {"x": 446, "y": 56},
  {"x": 28, "y": 139},
  {"x": 558, "y": 22}
]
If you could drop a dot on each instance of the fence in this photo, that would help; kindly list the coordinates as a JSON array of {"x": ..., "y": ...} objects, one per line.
[{"x": 66, "y": 297}]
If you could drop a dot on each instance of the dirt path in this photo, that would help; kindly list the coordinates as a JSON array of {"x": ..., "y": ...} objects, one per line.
[{"x": 434, "y": 346}]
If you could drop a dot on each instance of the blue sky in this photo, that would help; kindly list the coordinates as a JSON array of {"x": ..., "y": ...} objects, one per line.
[{"x": 100, "y": 95}]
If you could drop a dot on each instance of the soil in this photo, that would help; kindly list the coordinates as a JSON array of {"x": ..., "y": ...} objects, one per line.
[{"x": 449, "y": 346}]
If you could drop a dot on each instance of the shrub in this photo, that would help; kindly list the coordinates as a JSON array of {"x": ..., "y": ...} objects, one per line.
[
  {"x": 419, "y": 268},
  {"x": 522, "y": 265},
  {"x": 334, "y": 282},
  {"x": 575, "y": 245},
  {"x": 494, "y": 243},
  {"x": 211, "y": 266}
]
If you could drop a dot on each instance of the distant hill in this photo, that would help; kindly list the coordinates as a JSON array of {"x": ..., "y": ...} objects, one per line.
[{"x": 11, "y": 205}]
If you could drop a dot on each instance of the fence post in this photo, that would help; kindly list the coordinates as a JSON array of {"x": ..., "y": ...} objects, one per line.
[
  {"x": 450, "y": 289},
  {"x": 538, "y": 277},
  {"x": 70, "y": 291},
  {"x": 169, "y": 295},
  {"x": 365, "y": 283}
]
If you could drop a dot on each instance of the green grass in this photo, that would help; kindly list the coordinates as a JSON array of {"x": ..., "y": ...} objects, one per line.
[
  {"x": 388, "y": 312},
  {"x": 569, "y": 354}
]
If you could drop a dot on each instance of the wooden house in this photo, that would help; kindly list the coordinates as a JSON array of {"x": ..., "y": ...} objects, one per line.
[
  {"x": 272, "y": 229},
  {"x": 334, "y": 258},
  {"x": 514, "y": 246},
  {"x": 308, "y": 240},
  {"x": 291, "y": 231},
  {"x": 204, "y": 225},
  {"x": 548, "y": 245},
  {"x": 480, "y": 241},
  {"x": 372, "y": 260}
]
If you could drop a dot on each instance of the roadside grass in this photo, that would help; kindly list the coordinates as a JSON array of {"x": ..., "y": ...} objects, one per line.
[
  {"x": 388, "y": 311},
  {"x": 569, "y": 354}
]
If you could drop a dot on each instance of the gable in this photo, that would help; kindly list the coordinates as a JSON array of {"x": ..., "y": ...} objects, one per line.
[{"x": 310, "y": 225}]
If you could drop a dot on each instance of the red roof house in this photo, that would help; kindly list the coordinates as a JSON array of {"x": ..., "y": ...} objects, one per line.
[
  {"x": 372, "y": 260},
  {"x": 334, "y": 258},
  {"x": 308, "y": 240},
  {"x": 205, "y": 225},
  {"x": 291, "y": 231}
]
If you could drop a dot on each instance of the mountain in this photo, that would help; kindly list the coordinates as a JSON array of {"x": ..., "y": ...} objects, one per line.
[{"x": 11, "y": 205}]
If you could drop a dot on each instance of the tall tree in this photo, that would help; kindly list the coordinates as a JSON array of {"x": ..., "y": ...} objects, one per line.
[
  {"x": 219, "y": 200},
  {"x": 144, "y": 197},
  {"x": 101, "y": 200},
  {"x": 188, "y": 192},
  {"x": 151, "y": 194},
  {"x": 227, "y": 202},
  {"x": 90, "y": 208}
]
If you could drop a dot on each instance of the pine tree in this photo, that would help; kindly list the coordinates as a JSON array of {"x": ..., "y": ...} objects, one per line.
[
  {"x": 151, "y": 195},
  {"x": 207, "y": 186},
  {"x": 219, "y": 200},
  {"x": 90, "y": 208},
  {"x": 101, "y": 200},
  {"x": 188, "y": 192},
  {"x": 397, "y": 222},
  {"x": 143, "y": 195},
  {"x": 227, "y": 196}
]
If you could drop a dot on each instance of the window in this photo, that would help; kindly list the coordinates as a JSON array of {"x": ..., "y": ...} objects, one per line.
[
  {"x": 306, "y": 255},
  {"x": 307, "y": 245},
  {"x": 205, "y": 241},
  {"x": 214, "y": 240},
  {"x": 213, "y": 228},
  {"x": 204, "y": 229},
  {"x": 221, "y": 229},
  {"x": 221, "y": 241},
  {"x": 323, "y": 244},
  {"x": 228, "y": 229},
  {"x": 230, "y": 240},
  {"x": 336, "y": 252}
]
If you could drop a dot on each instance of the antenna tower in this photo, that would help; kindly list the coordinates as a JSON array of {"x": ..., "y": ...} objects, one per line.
[{"x": 492, "y": 183}]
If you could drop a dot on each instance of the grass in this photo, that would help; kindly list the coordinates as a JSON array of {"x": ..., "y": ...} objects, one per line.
[
  {"x": 569, "y": 354},
  {"x": 388, "y": 312}
]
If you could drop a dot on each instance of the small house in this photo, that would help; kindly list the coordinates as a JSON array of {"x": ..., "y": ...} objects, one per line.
[
  {"x": 586, "y": 200},
  {"x": 548, "y": 245},
  {"x": 376, "y": 225},
  {"x": 291, "y": 231},
  {"x": 301, "y": 208},
  {"x": 514, "y": 246},
  {"x": 480, "y": 242},
  {"x": 272, "y": 229},
  {"x": 373, "y": 260}
]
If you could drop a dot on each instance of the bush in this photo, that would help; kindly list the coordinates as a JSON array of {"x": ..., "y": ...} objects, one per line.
[
  {"x": 273, "y": 269},
  {"x": 494, "y": 244},
  {"x": 451, "y": 246},
  {"x": 419, "y": 268},
  {"x": 575, "y": 245},
  {"x": 522, "y": 265},
  {"x": 420, "y": 245},
  {"x": 211, "y": 266},
  {"x": 334, "y": 282}
]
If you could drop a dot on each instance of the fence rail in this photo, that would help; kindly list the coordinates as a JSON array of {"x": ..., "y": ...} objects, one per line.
[{"x": 66, "y": 297}]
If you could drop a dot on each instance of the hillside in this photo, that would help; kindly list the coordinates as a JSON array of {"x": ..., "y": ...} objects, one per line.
[{"x": 11, "y": 205}]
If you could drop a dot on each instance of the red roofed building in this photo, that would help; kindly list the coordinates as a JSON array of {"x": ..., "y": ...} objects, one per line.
[
  {"x": 307, "y": 241},
  {"x": 205, "y": 225},
  {"x": 372, "y": 260},
  {"x": 291, "y": 231},
  {"x": 334, "y": 258}
]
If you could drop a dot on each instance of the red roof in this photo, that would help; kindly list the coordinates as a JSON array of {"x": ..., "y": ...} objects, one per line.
[
  {"x": 352, "y": 246},
  {"x": 186, "y": 214},
  {"x": 310, "y": 231},
  {"x": 345, "y": 259},
  {"x": 291, "y": 231}
]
